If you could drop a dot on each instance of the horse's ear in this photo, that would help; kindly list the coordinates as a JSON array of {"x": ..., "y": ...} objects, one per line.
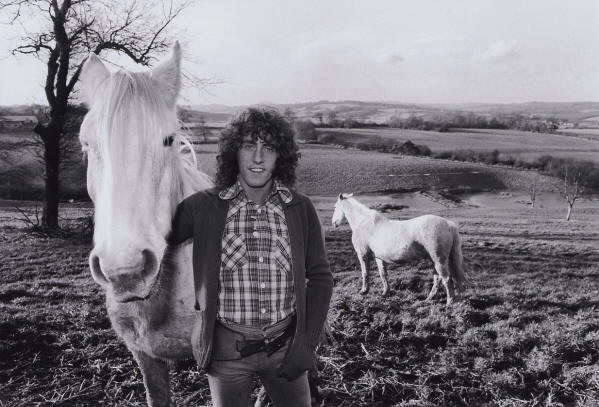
[
  {"x": 168, "y": 74},
  {"x": 93, "y": 73},
  {"x": 349, "y": 195}
]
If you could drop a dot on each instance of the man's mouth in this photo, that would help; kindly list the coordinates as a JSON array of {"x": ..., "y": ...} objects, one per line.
[{"x": 257, "y": 170}]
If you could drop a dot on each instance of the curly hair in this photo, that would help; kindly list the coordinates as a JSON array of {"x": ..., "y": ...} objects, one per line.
[{"x": 270, "y": 126}]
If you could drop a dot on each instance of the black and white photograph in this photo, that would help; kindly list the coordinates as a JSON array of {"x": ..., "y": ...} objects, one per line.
[{"x": 334, "y": 203}]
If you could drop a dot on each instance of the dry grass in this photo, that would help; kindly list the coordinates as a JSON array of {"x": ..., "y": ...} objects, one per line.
[{"x": 525, "y": 334}]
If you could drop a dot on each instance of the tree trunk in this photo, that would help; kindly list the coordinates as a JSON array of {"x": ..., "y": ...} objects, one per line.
[
  {"x": 51, "y": 137},
  {"x": 569, "y": 212},
  {"x": 52, "y": 159}
]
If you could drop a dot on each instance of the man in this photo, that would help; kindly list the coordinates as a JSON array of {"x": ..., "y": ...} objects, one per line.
[{"x": 262, "y": 278}]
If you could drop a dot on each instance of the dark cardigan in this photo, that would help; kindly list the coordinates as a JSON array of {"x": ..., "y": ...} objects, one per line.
[{"x": 201, "y": 217}]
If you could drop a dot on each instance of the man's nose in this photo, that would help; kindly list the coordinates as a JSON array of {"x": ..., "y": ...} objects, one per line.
[{"x": 258, "y": 154}]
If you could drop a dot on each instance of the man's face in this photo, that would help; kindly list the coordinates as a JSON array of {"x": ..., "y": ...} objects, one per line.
[{"x": 256, "y": 163}]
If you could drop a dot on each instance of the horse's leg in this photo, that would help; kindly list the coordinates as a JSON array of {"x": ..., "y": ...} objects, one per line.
[
  {"x": 364, "y": 265},
  {"x": 443, "y": 270},
  {"x": 383, "y": 273},
  {"x": 435, "y": 287},
  {"x": 156, "y": 379}
]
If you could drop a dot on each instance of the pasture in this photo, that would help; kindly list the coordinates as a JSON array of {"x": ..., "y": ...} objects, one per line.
[
  {"x": 591, "y": 134},
  {"x": 514, "y": 143},
  {"x": 329, "y": 170},
  {"x": 321, "y": 168},
  {"x": 525, "y": 333}
]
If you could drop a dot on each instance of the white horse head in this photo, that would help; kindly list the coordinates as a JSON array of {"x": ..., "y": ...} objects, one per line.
[
  {"x": 138, "y": 169},
  {"x": 339, "y": 213}
]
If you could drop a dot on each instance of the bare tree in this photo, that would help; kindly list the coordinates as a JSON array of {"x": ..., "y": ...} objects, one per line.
[
  {"x": 72, "y": 29},
  {"x": 533, "y": 190},
  {"x": 573, "y": 188}
]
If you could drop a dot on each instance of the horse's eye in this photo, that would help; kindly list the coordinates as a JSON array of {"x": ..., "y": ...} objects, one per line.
[{"x": 168, "y": 141}]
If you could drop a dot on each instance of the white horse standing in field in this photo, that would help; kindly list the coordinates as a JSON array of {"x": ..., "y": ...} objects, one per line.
[
  {"x": 391, "y": 241},
  {"x": 139, "y": 168}
]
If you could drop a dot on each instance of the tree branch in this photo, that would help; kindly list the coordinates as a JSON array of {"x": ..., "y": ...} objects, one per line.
[
  {"x": 74, "y": 78},
  {"x": 51, "y": 76}
]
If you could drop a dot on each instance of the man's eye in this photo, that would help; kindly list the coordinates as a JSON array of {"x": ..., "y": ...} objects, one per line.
[
  {"x": 269, "y": 148},
  {"x": 248, "y": 146}
]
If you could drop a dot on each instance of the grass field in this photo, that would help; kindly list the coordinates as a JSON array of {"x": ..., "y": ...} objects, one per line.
[
  {"x": 591, "y": 134},
  {"x": 319, "y": 168},
  {"x": 526, "y": 145},
  {"x": 330, "y": 170},
  {"x": 525, "y": 333},
  {"x": 22, "y": 168}
]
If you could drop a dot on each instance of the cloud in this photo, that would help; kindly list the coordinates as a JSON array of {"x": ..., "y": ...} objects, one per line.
[{"x": 501, "y": 51}]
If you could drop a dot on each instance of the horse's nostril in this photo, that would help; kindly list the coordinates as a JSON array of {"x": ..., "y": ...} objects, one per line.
[
  {"x": 96, "y": 269},
  {"x": 150, "y": 263}
]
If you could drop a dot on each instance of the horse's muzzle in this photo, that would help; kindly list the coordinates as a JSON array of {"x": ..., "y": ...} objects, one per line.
[{"x": 126, "y": 283}]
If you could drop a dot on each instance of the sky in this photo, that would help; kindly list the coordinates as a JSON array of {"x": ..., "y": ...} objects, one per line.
[{"x": 425, "y": 51}]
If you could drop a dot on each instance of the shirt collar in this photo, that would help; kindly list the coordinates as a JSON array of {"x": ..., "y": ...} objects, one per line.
[{"x": 277, "y": 187}]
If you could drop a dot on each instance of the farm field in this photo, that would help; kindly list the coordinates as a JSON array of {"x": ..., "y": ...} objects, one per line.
[
  {"x": 525, "y": 333},
  {"x": 320, "y": 166},
  {"x": 526, "y": 145},
  {"x": 592, "y": 134},
  {"x": 22, "y": 168},
  {"x": 326, "y": 169}
]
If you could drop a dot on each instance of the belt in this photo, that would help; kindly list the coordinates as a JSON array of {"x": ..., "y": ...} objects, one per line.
[{"x": 268, "y": 345}]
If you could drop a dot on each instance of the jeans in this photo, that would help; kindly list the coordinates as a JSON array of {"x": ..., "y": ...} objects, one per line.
[{"x": 230, "y": 378}]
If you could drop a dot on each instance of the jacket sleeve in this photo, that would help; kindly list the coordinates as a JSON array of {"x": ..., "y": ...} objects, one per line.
[
  {"x": 181, "y": 225},
  {"x": 319, "y": 286}
]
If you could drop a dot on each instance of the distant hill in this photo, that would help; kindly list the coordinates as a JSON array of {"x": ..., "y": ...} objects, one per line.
[
  {"x": 381, "y": 112},
  {"x": 572, "y": 111}
]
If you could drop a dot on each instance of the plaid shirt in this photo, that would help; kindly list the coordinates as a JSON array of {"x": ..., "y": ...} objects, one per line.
[{"x": 255, "y": 281}]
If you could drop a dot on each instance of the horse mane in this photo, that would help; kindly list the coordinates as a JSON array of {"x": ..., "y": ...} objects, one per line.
[
  {"x": 191, "y": 179},
  {"x": 363, "y": 209}
]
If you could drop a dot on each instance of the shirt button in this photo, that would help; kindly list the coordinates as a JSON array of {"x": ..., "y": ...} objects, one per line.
[
  {"x": 259, "y": 210},
  {"x": 262, "y": 285},
  {"x": 255, "y": 234},
  {"x": 263, "y": 310},
  {"x": 261, "y": 259}
]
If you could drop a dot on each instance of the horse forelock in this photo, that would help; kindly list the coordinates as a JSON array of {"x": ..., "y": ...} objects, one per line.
[
  {"x": 133, "y": 113},
  {"x": 132, "y": 120}
]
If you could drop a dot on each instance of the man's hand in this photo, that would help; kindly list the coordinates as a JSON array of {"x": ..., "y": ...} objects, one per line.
[{"x": 299, "y": 360}]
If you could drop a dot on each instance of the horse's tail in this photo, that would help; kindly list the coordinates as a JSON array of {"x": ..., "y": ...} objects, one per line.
[{"x": 456, "y": 260}]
